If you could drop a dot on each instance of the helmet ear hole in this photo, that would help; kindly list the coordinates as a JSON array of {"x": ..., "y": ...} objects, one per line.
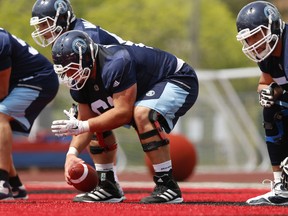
[{"x": 61, "y": 6}]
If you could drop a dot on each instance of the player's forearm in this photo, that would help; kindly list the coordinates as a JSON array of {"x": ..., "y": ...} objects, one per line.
[
  {"x": 109, "y": 120},
  {"x": 81, "y": 141}
]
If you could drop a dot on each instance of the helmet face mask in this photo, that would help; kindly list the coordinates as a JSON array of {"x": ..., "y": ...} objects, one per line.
[
  {"x": 260, "y": 49},
  {"x": 73, "y": 75},
  {"x": 50, "y": 19},
  {"x": 46, "y": 30},
  {"x": 74, "y": 57},
  {"x": 259, "y": 29}
]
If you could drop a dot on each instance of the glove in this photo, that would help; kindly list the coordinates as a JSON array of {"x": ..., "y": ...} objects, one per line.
[
  {"x": 284, "y": 174},
  {"x": 69, "y": 127},
  {"x": 267, "y": 96}
]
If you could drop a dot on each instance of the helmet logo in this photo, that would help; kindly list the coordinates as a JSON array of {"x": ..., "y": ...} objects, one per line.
[
  {"x": 60, "y": 4},
  {"x": 77, "y": 44},
  {"x": 271, "y": 12}
]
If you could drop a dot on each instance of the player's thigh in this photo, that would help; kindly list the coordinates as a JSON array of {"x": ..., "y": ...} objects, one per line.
[
  {"x": 168, "y": 99},
  {"x": 23, "y": 105}
]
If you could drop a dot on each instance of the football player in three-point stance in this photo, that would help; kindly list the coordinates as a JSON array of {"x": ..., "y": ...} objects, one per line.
[
  {"x": 120, "y": 85},
  {"x": 28, "y": 84},
  {"x": 51, "y": 18},
  {"x": 265, "y": 41}
]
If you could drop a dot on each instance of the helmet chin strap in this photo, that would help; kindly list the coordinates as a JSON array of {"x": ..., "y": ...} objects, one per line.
[{"x": 93, "y": 71}]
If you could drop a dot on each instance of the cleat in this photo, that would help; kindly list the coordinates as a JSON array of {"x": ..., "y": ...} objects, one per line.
[
  {"x": 165, "y": 191},
  {"x": 277, "y": 196},
  {"x": 19, "y": 192},
  {"x": 107, "y": 191},
  {"x": 120, "y": 190},
  {"x": 5, "y": 191}
]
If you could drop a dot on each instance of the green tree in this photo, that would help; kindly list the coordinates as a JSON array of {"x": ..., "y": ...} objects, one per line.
[
  {"x": 169, "y": 25},
  {"x": 218, "y": 45}
]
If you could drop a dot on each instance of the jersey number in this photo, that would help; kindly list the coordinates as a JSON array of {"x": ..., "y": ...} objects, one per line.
[
  {"x": 31, "y": 50},
  {"x": 101, "y": 106}
]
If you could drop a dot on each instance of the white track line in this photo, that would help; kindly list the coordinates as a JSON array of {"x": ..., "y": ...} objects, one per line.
[{"x": 126, "y": 184}]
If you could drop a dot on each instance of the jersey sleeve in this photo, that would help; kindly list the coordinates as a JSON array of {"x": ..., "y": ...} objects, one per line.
[
  {"x": 5, "y": 50},
  {"x": 108, "y": 38},
  {"x": 120, "y": 75}
]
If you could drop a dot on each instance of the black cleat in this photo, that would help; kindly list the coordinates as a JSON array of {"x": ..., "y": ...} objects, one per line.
[
  {"x": 165, "y": 191},
  {"x": 5, "y": 191},
  {"x": 107, "y": 191},
  {"x": 19, "y": 192}
]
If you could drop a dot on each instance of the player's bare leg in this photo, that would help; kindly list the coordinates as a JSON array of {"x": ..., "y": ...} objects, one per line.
[
  {"x": 5, "y": 156},
  {"x": 156, "y": 146},
  {"x": 104, "y": 157},
  {"x": 18, "y": 189}
]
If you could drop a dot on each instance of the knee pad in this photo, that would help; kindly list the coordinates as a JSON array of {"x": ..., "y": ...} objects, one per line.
[
  {"x": 153, "y": 118},
  {"x": 102, "y": 146},
  {"x": 100, "y": 149},
  {"x": 96, "y": 150},
  {"x": 275, "y": 130},
  {"x": 147, "y": 147}
]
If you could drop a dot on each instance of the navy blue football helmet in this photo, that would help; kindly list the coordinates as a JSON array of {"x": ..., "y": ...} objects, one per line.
[
  {"x": 259, "y": 17},
  {"x": 73, "y": 55},
  {"x": 50, "y": 18}
]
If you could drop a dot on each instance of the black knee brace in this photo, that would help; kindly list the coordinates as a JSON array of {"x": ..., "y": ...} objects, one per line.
[
  {"x": 102, "y": 146},
  {"x": 104, "y": 134},
  {"x": 153, "y": 118},
  {"x": 275, "y": 131},
  {"x": 96, "y": 149}
]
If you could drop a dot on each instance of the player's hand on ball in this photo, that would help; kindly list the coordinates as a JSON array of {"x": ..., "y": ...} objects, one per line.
[
  {"x": 69, "y": 127},
  {"x": 71, "y": 160},
  {"x": 83, "y": 177}
]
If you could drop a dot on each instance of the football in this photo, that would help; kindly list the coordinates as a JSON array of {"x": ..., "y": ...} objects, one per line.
[{"x": 83, "y": 177}]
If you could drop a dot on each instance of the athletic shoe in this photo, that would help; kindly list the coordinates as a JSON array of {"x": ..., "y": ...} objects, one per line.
[
  {"x": 19, "y": 192},
  {"x": 5, "y": 191},
  {"x": 106, "y": 191},
  {"x": 120, "y": 190},
  {"x": 277, "y": 196},
  {"x": 165, "y": 191}
]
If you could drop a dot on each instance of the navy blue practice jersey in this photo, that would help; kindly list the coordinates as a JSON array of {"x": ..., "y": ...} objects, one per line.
[
  {"x": 96, "y": 33},
  {"x": 119, "y": 67},
  {"x": 25, "y": 62}
]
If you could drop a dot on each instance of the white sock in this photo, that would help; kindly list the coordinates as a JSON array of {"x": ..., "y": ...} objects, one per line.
[
  {"x": 104, "y": 167},
  {"x": 277, "y": 176},
  {"x": 163, "y": 167},
  {"x": 115, "y": 173}
]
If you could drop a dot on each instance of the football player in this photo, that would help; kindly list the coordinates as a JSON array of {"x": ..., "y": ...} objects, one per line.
[
  {"x": 264, "y": 37},
  {"x": 51, "y": 18},
  {"x": 28, "y": 84},
  {"x": 119, "y": 85}
]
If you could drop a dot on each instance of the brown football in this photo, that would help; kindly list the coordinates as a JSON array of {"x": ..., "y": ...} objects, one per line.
[{"x": 83, "y": 177}]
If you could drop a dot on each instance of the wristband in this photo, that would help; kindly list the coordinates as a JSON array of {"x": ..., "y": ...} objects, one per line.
[
  {"x": 85, "y": 126},
  {"x": 73, "y": 150}
]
